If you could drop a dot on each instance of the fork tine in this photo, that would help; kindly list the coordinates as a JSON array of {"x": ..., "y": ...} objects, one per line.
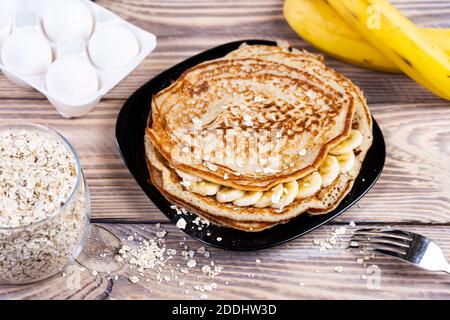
[
  {"x": 386, "y": 240},
  {"x": 399, "y": 233},
  {"x": 382, "y": 238},
  {"x": 394, "y": 232},
  {"x": 372, "y": 245},
  {"x": 390, "y": 253},
  {"x": 386, "y": 233}
]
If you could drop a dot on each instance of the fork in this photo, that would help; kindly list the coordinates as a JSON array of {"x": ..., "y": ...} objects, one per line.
[{"x": 407, "y": 246}]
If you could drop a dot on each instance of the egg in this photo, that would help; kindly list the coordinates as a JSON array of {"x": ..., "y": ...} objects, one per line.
[
  {"x": 6, "y": 14},
  {"x": 26, "y": 52},
  {"x": 72, "y": 77},
  {"x": 113, "y": 46},
  {"x": 67, "y": 20}
]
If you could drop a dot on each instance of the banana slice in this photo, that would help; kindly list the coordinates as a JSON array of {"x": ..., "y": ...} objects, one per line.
[
  {"x": 290, "y": 191},
  {"x": 329, "y": 170},
  {"x": 346, "y": 161},
  {"x": 205, "y": 188},
  {"x": 265, "y": 201},
  {"x": 229, "y": 194},
  {"x": 248, "y": 199},
  {"x": 188, "y": 177},
  {"x": 268, "y": 197},
  {"x": 353, "y": 141},
  {"x": 277, "y": 193},
  {"x": 309, "y": 185}
]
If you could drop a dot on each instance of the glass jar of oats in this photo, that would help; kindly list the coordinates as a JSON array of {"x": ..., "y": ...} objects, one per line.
[{"x": 44, "y": 203}]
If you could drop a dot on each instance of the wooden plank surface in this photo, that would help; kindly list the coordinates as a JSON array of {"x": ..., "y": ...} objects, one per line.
[
  {"x": 299, "y": 269},
  {"x": 413, "y": 191}
]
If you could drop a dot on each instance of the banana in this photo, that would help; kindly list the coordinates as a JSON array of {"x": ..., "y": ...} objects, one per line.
[
  {"x": 269, "y": 197},
  {"x": 248, "y": 199},
  {"x": 229, "y": 194},
  {"x": 204, "y": 188},
  {"x": 277, "y": 193},
  {"x": 265, "y": 201},
  {"x": 309, "y": 185},
  {"x": 290, "y": 190},
  {"x": 346, "y": 161},
  {"x": 352, "y": 142},
  {"x": 187, "y": 177},
  {"x": 329, "y": 170},
  {"x": 318, "y": 23},
  {"x": 441, "y": 36},
  {"x": 400, "y": 40}
]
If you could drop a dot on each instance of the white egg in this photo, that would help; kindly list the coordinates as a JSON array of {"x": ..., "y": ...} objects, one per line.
[
  {"x": 67, "y": 19},
  {"x": 113, "y": 46},
  {"x": 6, "y": 14},
  {"x": 5, "y": 28},
  {"x": 26, "y": 52},
  {"x": 72, "y": 77}
]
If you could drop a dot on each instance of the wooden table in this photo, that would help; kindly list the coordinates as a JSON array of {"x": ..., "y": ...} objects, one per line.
[{"x": 413, "y": 192}]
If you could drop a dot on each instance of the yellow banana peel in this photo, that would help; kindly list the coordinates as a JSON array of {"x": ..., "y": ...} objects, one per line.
[
  {"x": 318, "y": 23},
  {"x": 400, "y": 40}
]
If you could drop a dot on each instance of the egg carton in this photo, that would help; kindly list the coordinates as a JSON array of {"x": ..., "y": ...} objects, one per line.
[{"x": 30, "y": 14}]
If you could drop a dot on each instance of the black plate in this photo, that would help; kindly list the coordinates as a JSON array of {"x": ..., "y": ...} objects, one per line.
[{"x": 130, "y": 127}]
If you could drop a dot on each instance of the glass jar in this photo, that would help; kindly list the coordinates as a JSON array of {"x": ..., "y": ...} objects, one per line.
[{"x": 39, "y": 249}]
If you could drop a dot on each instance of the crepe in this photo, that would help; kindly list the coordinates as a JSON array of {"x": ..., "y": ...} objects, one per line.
[
  {"x": 233, "y": 96},
  {"x": 306, "y": 89}
]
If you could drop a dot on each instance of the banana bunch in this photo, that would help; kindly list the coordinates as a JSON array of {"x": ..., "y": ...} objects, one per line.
[{"x": 373, "y": 34}]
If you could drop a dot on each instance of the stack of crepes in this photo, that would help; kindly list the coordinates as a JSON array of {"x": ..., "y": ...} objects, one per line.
[{"x": 258, "y": 137}]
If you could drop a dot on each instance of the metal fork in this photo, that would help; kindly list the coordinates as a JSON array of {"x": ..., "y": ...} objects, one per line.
[{"x": 407, "y": 246}]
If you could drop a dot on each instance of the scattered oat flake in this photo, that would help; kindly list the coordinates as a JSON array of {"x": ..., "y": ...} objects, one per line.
[
  {"x": 161, "y": 234},
  {"x": 258, "y": 99},
  {"x": 211, "y": 166},
  {"x": 338, "y": 269},
  {"x": 191, "y": 263},
  {"x": 133, "y": 279},
  {"x": 201, "y": 250},
  {"x": 181, "y": 223}
]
